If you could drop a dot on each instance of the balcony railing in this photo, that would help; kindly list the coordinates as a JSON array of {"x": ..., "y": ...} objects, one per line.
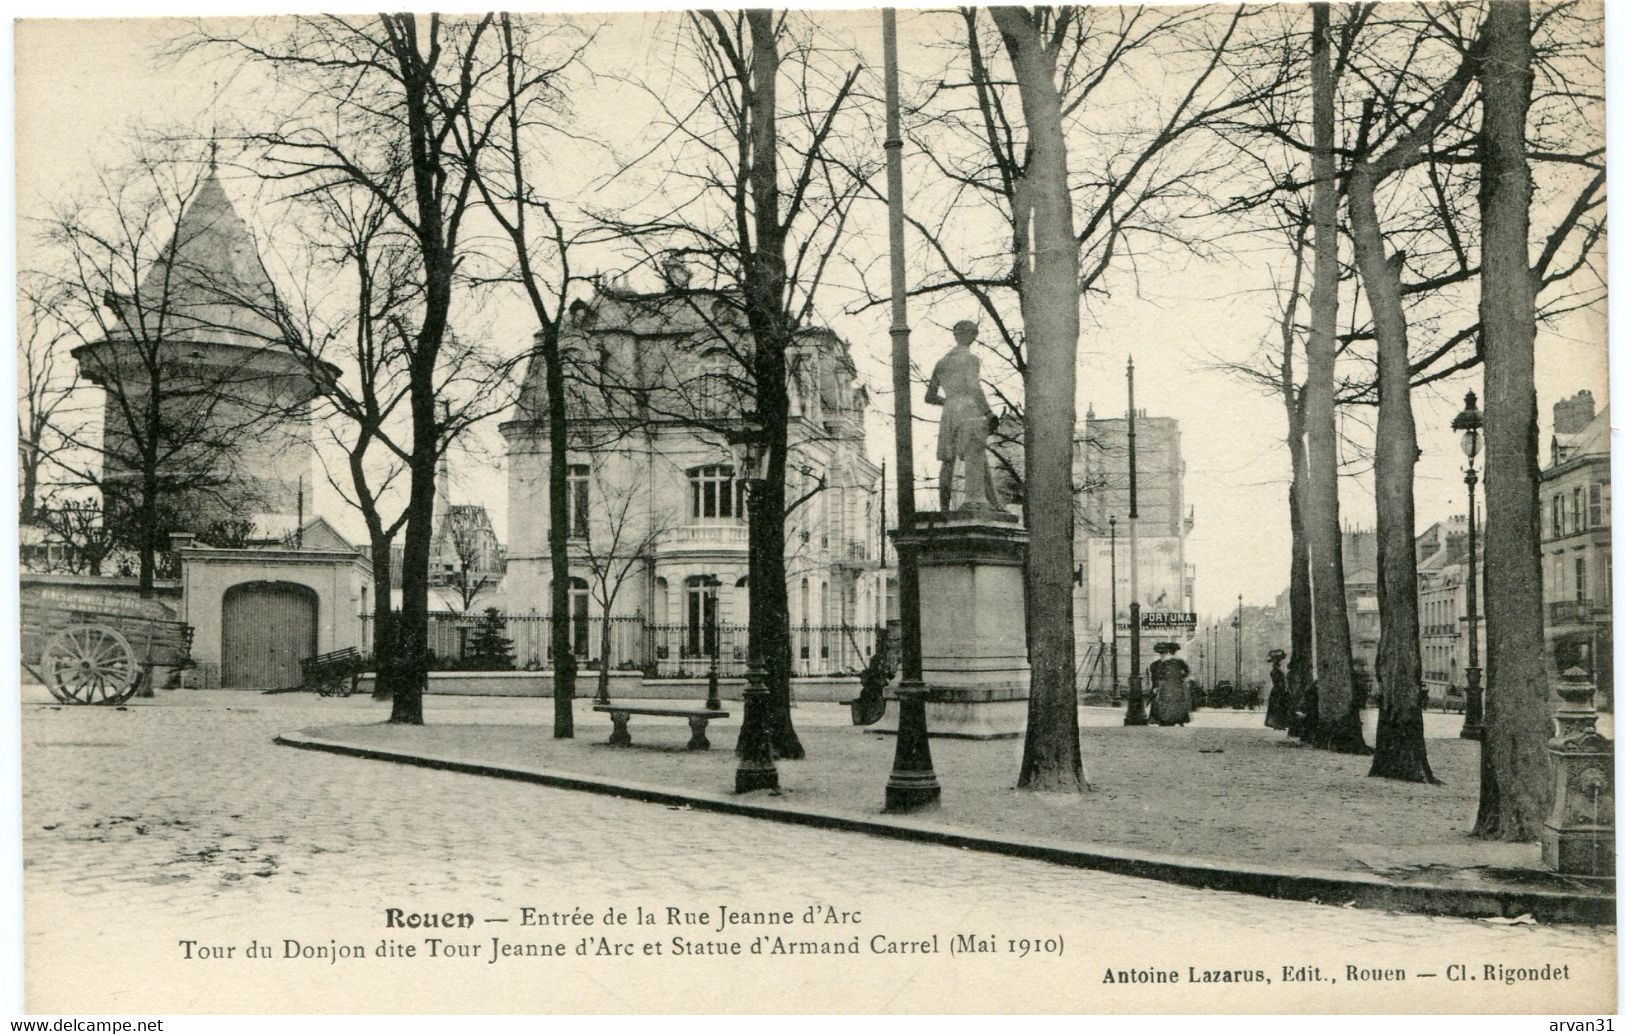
[{"x": 703, "y": 536}]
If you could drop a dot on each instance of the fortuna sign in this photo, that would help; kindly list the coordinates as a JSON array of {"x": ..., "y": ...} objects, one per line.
[{"x": 1151, "y": 620}]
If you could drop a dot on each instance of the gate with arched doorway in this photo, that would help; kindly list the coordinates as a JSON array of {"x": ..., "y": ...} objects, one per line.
[{"x": 267, "y": 628}]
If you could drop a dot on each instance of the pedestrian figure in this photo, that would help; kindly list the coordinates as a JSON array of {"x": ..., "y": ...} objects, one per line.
[
  {"x": 1170, "y": 701},
  {"x": 967, "y": 420},
  {"x": 1305, "y": 717},
  {"x": 1278, "y": 712}
]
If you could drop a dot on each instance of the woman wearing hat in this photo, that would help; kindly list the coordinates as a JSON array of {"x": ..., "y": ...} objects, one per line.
[
  {"x": 1170, "y": 700},
  {"x": 1278, "y": 712}
]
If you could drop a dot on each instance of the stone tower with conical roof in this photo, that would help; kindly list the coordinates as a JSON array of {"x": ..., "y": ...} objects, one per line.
[{"x": 233, "y": 423}]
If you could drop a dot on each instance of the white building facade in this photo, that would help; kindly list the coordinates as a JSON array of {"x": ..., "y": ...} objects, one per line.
[{"x": 656, "y": 498}]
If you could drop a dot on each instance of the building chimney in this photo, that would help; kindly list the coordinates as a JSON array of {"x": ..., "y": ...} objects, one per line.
[{"x": 1571, "y": 415}]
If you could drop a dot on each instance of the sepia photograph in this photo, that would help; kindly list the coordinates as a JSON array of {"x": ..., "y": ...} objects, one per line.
[{"x": 1090, "y": 509}]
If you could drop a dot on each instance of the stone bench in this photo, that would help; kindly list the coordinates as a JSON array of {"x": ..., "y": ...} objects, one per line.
[{"x": 697, "y": 719}]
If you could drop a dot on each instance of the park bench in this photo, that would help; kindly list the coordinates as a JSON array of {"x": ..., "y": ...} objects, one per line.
[
  {"x": 336, "y": 672},
  {"x": 697, "y": 719}
]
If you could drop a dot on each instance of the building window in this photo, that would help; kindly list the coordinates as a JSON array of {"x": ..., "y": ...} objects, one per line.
[
  {"x": 714, "y": 495},
  {"x": 1580, "y": 577},
  {"x": 580, "y": 640},
  {"x": 823, "y": 619},
  {"x": 1579, "y": 509},
  {"x": 1594, "y": 511},
  {"x": 576, "y": 500},
  {"x": 824, "y": 516},
  {"x": 806, "y": 617},
  {"x": 701, "y": 640}
]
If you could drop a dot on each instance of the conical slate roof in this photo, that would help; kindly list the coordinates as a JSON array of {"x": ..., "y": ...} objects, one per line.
[{"x": 209, "y": 285}]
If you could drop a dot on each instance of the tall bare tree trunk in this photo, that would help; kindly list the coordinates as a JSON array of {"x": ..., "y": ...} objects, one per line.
[
  {"x": 1515, "y": 783},
  {"x": 1051, "y": 758},
  {"x": 412, "y": 622},
  {"x": 1300, "y": 603},
  {"x": 771, "y": 331},
  {"x": 384, "y": 648},
  {"x": 1401, "y": 751},
  {"x": 1338, "y": 723},
  {"x": 558, "y": 529},
  {"x": 1300, "y": 666}
]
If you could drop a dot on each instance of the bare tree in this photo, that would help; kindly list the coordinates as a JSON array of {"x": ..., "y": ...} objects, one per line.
[
  {"x": 1051, "y": 758},
  {"x": 85, "y": 533},
  {"x": 1401, "y": 751},
  {"x": 620, "y": 541},
  {"x": 1426, "y": 220},
  {"x": 1514, "y": 777},
  {"x": 1337, "y": 724},
  {"x": 47, "y": 423},
  {"x": 526, "y": 102},
  {"x": 376, "y": 102},
  {"x": 763, "y": 241},
  {"x": 468, "y": 538}
]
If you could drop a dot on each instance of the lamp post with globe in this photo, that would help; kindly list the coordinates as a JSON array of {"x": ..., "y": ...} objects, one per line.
[{"x": 1470, "y": 422}]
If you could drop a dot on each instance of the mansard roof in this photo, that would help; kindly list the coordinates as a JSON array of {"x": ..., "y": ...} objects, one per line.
[{"x": 618, "y": 324}]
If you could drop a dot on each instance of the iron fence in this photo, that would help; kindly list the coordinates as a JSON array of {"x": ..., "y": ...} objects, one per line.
[{"x": 659, "y": 650}]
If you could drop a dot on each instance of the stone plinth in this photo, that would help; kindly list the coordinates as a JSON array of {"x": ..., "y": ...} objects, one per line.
[
  {"x": 1578, "y": 838},
  {"x": 973, "y": 623}
]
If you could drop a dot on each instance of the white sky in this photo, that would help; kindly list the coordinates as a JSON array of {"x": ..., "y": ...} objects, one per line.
[{"x": 82, "y": 85}]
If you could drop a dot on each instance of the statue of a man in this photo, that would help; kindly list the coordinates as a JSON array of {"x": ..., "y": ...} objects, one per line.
[{"x": 967, "y": 420}]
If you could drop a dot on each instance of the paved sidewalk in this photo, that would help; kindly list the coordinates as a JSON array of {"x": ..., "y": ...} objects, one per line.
[
  {"x": 179, "y": 818},
  {"x": 1217, "y": 805}
]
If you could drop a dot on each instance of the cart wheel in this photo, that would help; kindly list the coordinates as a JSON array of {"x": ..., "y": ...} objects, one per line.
[{"x": 89, "y": 664}]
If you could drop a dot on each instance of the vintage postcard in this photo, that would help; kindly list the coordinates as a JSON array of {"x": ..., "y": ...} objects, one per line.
[{"x": 1085, "y": 509}]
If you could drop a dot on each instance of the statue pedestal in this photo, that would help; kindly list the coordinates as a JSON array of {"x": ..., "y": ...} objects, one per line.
[{"x": 973, "y": 623}]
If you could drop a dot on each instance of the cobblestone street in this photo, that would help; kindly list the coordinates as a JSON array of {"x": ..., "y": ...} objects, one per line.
[{"x": 179, "y": 819}]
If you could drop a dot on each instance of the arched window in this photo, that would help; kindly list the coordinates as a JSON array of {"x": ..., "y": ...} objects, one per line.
[{"x": 714, "y": 494}]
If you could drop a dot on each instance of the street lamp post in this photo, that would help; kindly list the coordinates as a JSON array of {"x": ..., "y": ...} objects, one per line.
[
  {"x": 1470, "y": 423},
  {"x": 1238, "y": 642},
  {"x": 1113, "y": 522},
  {"x": 1136, "y": 693},
  {"x": 713, "y": 698},
  {"x": 913, "y": 780}
]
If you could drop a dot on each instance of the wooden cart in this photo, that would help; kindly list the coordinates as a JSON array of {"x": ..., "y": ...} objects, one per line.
[{"x": 95, "y": 648}]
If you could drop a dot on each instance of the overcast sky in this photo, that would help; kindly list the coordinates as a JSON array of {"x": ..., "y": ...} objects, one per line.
[{"x": 82, "y": 85}]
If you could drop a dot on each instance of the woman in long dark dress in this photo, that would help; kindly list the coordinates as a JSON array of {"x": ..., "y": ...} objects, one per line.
[
  {"x": 1278, "y": 712},
  {"x": 1172, "y": 703}
]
